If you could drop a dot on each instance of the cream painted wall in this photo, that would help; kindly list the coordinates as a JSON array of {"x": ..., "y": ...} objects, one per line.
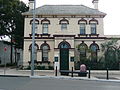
[
  {"x": 55, "y": 29},
  {"x": 73, "y": 27},
  {"x": 26, "y": 54},
  {"x": 89, "y": 42}
]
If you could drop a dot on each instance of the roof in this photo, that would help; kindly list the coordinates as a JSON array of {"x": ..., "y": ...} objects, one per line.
[{"x": 65, "y": 10}]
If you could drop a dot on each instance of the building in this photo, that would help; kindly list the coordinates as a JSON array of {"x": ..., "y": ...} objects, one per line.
[
  {"x": 5, "y": 53},
  {"x": 60, "y": 30}
]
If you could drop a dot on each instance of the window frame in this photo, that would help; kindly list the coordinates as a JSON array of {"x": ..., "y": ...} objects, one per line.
[
  {"x": 45, "y": 53},
  {"x": 82, "y": 28},
  {"x": 83, "y": 47},
  {"x": 45, "y": 28},
  {"x": 36, "y": 28},
  {"x": 94, "y": 52},
  {"x": 93, "y": 28},
  {"x": 63, "y": 26}
]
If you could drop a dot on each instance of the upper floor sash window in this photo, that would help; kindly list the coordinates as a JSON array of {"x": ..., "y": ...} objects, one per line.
[
  {"x": 45, "y": 28},
  {"x": 93, "y": 28},
  {"x": 82, "y": 28},
  {"x": 36, "y": 28},
  {"x": 36, "y": 25},
  {"x": 64, "y": 22},
  {"x": 93, "y": 25},
  {"x": 63, "y": 26},
  {"x": 45, "y": 25}
]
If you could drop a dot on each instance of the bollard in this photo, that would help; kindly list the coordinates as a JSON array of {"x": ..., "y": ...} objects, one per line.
[
  {"x": 89, "y": 73},
  {"x": 56, "y": 71},
  {"x": 72, "y": 72},
  {"x": 107, "y": 74}
]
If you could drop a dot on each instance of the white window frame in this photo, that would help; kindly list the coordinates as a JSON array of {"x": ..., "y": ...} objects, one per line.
[
  {"x": 93, "y": 27},
  {"x": 82, "y": 28},
  {"x": 45, "y": 28},
  {"x": 63, "y": 26}
]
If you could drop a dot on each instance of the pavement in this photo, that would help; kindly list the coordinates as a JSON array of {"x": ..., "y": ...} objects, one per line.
[{"x": 97, "y": 75}]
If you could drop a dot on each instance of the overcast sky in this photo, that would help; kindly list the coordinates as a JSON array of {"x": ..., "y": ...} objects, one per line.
[{"x": 110, "y": 7}]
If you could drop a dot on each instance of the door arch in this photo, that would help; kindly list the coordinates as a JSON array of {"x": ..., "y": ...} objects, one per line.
[{"x": 64, "y": 55}]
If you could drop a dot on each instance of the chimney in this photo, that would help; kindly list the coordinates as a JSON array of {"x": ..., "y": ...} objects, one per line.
[
  {"x": 95, "y": 3},
  {"x": 31, "y": 4}
]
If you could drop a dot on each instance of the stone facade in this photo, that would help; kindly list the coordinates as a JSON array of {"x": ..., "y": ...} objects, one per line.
[{"x": 62, "y": 31}]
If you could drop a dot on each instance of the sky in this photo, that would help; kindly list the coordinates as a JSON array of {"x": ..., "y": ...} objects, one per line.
[{"x": 110, "y": 7}]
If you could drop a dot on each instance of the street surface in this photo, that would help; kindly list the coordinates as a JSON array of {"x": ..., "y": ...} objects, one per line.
[{"x": 26, "y": 83}]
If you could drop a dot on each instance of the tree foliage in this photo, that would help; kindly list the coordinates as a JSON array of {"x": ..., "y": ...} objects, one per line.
[
  {"x": 11, "y": 19},
  {"x": 111, "y": 54}
]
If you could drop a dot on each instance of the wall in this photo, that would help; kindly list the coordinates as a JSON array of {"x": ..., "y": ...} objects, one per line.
[
  {"x": 72, "y": 29},
  {"x": 5, "y": 55}
]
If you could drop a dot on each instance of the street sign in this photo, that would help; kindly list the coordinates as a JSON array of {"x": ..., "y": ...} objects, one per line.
[{"x": 5, "y": 49}]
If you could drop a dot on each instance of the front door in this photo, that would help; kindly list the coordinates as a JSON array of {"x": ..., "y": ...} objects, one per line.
[{"x": 64, "y": 59}]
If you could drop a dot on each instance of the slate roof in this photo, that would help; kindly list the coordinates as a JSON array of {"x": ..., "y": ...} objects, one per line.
[{"x": 65, "y": 10}]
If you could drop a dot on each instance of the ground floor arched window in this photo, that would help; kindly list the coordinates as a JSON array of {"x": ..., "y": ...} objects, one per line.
[
  {"x": 35, "y": 52},
  {"x": 94, "y": 52},
  {"x": 45, "y": 51},
  {"x": 82, "y": 48}
]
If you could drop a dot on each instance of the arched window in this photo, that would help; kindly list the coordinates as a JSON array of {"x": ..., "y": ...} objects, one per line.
[
  {"x": 64, "y": 44},
  {"x": 45, "y": 23},
  {"x": 45, "y": 49},
  {"x": 82, "y": 22},
  {"x": 93, "y": 25},
  {"x": 35, "y": 51},
  {"x": 64, "y": 22},
  {"x": 94, "y": 51},
  {"x": 36, "y": 25},
  {"x": 82, "y": 48},
  {"x": 110, "y": 58}
]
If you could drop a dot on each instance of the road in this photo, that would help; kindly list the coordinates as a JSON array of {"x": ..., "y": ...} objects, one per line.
[{"x": 26, "y": 83}]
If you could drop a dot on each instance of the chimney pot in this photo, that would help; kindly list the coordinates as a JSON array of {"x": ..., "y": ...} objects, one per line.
[
  {"x": 95, "y": 3},
  {"x": 31, "y": 4}
]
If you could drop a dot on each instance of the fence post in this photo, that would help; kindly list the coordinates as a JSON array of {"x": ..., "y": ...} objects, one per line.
[
  {"x": 107, "y": 74},
  {"x": 89, "y": 73},
  {"x": 72, "y": 72},
  {"x": 56, "y": 71}
]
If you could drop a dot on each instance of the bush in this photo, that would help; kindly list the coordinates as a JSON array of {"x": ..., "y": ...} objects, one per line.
[
  {"x": 38, "y": 67},
  {"x": 51, "y": 67}
]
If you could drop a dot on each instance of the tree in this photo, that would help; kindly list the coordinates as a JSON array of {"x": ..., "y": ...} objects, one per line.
[
  {"x": 11, "y": 19},
  {"x": 111, "y": 53}
]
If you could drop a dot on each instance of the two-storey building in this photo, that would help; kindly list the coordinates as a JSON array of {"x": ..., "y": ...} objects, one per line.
[{"x": 63, "y": 33}]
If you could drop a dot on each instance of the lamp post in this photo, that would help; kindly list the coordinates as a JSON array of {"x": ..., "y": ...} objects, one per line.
[{"x": 33, "y": 39}]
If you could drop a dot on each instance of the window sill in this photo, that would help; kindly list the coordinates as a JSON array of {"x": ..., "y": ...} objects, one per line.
[
  {"x": 82, "y": 35},
  {"x": 45, "y": 35},
  {"x": 35, "y": 35},
  {"x": 93, "y": 35}
]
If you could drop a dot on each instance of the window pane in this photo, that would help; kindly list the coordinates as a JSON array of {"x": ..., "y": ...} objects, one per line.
[
  {"x": 94, "y": 53},
  {"x": 83, "y": 51},
  {"x": 34, "y": 54},
  {"x": 45, "y": 28},
  {"x": 45, "y": 53},
  {"x": 63, "y": 26},
  {"x": 93, "y": 28},
  {"x": 93, "y": 48},
  {"x": 36, "y": 28},
  {"x": 82, "y": 28}
]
